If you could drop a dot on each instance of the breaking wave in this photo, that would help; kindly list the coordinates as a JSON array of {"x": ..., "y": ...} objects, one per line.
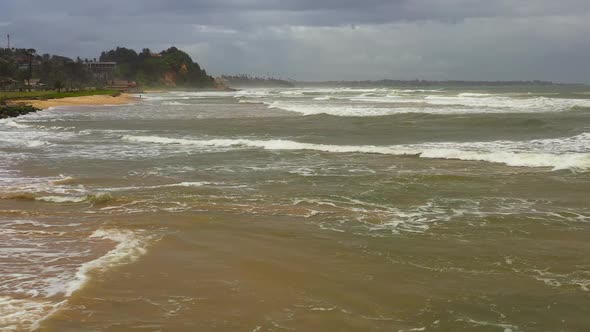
[
  {"x": 40, "y": 246},
  {"x": 559, "y": 153},
  {"x": 130, "y": 246},
  {"x": 389, "y": 104}
]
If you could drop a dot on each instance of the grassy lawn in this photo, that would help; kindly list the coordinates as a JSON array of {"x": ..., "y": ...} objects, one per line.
[{"x": 52, "y": 94}]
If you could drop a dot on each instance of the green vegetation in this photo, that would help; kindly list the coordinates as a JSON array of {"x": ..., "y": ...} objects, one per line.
[
  {"x": 24, "y": 69},
  {"x": 170, "y": 68},
  {"x": 14, "y": 111},
  {"x": 16, "y": 95},
  {"x": 24, "y": 65}
]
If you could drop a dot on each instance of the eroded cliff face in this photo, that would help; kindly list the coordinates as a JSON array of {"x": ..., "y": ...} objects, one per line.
[{"x": 169, "y": 78}]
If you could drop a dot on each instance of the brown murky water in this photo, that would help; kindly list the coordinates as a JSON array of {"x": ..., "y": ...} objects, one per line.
[{"x": 214, "y": 212}]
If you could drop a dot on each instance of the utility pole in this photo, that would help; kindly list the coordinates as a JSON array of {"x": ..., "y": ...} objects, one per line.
[
  {"x": 8, "y": 37},
  {"x": 31, "y": 54}
]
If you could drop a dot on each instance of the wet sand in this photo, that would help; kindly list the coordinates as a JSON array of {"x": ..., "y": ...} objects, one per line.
[{"x": 82, "y": 101}]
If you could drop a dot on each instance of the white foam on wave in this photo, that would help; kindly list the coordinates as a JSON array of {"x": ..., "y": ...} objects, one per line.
[
  {"x": 190, "y": 184},
  {"x": 391, "y": 98},
  {"x": 252, "y": 93},
  {"x": 39, "y": 284},
  {"x": 174, "y": 103},
  {"x": 62, "y": 199},
  {"x": 560, "y": 153},
  {"x": 201, "y": 94},
  {"x": 171, "y": 185},
  {"x": 37, "y": 143},
  {"x": 26, "y": 140},
  {"x": 13, "y": 124},
  {"x": 130, "y": 246},
  {"x": 419, "y": 91},
  {"x": 578, "y": 278},
  {"x": 21, "y": 314},
  {"x": 164, "y": 97},
  {"x": 369, "y": 104},
  {"x": 537, "y": 104},
  {"x": 361, "y": 110},
  {"x": 22, "y": 134},
  {"x": 292, "y": 93},
  {"x": 358, "y": 90},
  {"x": 246, "y": 101},
  {"x": 379, "y": 102},
  {"x": 334, "y": 211},
  {"x": 11, "y": 182},
  {"x": 306, "y": 108},
  {"x": 473, "y": 94}
]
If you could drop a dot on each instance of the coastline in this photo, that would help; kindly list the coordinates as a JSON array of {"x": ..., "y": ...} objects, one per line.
[{"x": 78, "y": 101}]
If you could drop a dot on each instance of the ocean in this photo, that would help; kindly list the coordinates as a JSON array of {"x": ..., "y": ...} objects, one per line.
[{"x": 302, "y": 209}]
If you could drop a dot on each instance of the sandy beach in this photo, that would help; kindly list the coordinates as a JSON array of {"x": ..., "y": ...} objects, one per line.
[{"x": 81, "y": 101}]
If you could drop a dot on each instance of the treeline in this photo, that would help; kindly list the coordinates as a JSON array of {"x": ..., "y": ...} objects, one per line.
[
  {"x": 244, "y": 80},
  {"x": 171, "y": 67},
  {"x": 24, "y": 65}
]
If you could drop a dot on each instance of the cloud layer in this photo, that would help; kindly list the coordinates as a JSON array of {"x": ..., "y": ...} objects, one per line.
[{"x": 325, "y": 39}]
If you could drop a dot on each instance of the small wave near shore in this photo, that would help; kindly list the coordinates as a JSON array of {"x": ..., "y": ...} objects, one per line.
[{"x": 65, "y": 263}]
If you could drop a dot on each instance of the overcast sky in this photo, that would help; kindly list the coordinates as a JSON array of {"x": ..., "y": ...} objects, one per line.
[{"x": 324, "y": 39}]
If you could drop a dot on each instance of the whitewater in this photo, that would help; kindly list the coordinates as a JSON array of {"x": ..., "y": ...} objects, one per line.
[
  {"x": 560, "y": 153},
  {"x": 257, "y": 209}
]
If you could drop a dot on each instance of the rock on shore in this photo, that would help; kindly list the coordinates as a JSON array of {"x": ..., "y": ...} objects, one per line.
[{"x": 16, "y": 110}]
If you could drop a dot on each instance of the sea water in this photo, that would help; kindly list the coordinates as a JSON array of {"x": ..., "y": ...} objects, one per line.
[{"x": 311, "y": 209}]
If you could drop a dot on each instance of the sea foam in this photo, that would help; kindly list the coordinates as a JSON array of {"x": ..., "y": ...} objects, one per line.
[
  {"x": 19, "y": 314},
  {"x": 130, "y": 246},
  {"x": 392, "y": 103},
  {"x": 559, "y": 153},
  {"x": 46, "y": 262}
]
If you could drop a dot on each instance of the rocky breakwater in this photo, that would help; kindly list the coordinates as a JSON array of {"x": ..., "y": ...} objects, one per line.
[{"x": 13, "y": 111}]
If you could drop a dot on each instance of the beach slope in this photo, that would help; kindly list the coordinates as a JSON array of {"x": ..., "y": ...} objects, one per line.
[{"x": 81, "y": 101}]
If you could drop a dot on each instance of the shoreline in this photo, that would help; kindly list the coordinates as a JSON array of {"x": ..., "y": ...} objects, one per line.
[
  {"x": 188, "y": 89},
  {"x": 95, "y": 100}
]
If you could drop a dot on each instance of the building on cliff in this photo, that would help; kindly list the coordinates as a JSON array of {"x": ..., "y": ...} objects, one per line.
[{"x": 101, "y": 69}]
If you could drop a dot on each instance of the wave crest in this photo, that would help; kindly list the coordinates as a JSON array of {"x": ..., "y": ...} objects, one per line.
[{"x": 560, "y": 153}]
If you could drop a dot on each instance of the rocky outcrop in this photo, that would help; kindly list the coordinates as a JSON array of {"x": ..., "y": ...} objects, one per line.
[{"x": 16, "y": 110}]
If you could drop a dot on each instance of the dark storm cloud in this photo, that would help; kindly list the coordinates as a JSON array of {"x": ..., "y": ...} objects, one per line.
[
  {"x": 323, "y": 39},
  {"x": 314, "y": 12}
]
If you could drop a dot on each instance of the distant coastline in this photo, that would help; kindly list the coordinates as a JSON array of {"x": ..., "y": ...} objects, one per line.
[
  {"x": 247, "y": 81},
  {"x": 425, "y": 83}
]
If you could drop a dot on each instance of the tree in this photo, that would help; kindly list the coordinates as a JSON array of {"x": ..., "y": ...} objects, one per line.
[
  {"x": 75, "y": 74},
  {"x": 151, "y": 68},
  {"x": 58, "y": 85}
]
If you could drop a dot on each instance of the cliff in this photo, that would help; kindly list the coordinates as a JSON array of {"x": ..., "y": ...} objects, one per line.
[{"x": 171, "y": 68}]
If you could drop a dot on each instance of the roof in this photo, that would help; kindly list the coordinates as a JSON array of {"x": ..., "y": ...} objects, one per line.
[
  {"x": 7, "y": 79},
  {"x": 100, "y": 63}
]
